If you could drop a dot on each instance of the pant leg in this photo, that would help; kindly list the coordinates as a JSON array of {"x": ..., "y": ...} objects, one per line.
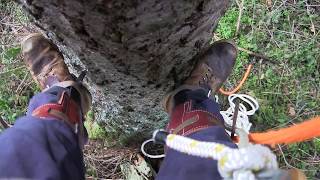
[
  {"x": 41, "y": 149},
  {"x": 200, "y": 100},
  {"x": 180, "y": 166}
]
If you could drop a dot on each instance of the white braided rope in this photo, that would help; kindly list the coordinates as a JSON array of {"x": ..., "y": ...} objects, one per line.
[
  {"x": 238, "y": 164},
  {"x": 232, "y": 163},
  {"x": 243, "y": 113}
]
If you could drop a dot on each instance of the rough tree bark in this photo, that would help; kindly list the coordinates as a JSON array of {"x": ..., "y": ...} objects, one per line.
[{"x": 134, "y": 50}]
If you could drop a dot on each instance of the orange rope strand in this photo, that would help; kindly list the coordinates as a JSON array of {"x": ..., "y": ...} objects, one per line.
[
  {"x": 240, "y": 84},
  {"x": 296, "y": 133}
]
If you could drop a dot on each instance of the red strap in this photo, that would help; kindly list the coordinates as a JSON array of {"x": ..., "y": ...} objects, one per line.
[
  {"x": 185, "y": 121},
  {"x": 66, "y": 109}
]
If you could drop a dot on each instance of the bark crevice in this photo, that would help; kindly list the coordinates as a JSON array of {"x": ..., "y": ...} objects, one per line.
[{"x": 135, "y": 51}]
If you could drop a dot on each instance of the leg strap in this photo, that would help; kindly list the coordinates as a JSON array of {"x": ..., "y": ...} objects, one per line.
[
  {"x": 65, "y": 109},
  {"x": 185, "y": 121}
]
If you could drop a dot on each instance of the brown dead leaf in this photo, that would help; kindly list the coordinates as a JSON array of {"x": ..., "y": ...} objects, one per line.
[
  {"x": 269, "y": 3},
  {"x": 291, "y": 111},
  {"x": 286, "y": 90}
]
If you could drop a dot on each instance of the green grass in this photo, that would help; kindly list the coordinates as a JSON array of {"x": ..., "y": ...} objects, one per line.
[
  {"x": 95, "y": 131},
  {"x": 16, "y": 85},
  {"x": 285, "y": 34}
]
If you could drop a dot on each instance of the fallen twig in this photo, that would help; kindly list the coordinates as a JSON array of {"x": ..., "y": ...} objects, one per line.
[
  {"x": 4, "y": 123},
  {"x": 21, "y": 84},
  {"x": 216, "y": 37},
  {"x": 312, "y": 28},
  {"x": 257, "y": 55},
  {"x": 284, "y": 158},
  {"x": 240, "y": 5},
  {"x": 105, "y": 162}
]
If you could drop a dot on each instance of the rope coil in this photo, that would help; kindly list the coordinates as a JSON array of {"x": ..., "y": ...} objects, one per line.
[{"x": 242, "y": 118}]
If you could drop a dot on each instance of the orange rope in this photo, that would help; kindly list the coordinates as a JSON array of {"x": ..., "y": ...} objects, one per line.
[
  {"x": 240, "y": 84},
  {"x": 296, "y": 133}
]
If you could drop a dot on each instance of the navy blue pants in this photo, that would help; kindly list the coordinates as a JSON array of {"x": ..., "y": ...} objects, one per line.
[
  {"x": 41, "y": 149},
  {"x": 48, "y": 149},
  {"x": 180, "y": 166}
]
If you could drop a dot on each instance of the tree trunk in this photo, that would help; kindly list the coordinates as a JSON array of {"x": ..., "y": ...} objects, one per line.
[{"x": 135, "y": 51}]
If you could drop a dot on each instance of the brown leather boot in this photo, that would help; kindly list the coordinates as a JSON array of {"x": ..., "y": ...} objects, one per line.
[
  {"x": 213, "y": 68},
  {"x": 48, "y": 68},
  {"x": 44, "y": 61}
]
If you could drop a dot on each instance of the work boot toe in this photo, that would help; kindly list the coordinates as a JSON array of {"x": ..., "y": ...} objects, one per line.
[
  {"x": 211, "y": 71},
  {"x": 214, "y": 66},
  {"x": 44, "y": 60}
]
